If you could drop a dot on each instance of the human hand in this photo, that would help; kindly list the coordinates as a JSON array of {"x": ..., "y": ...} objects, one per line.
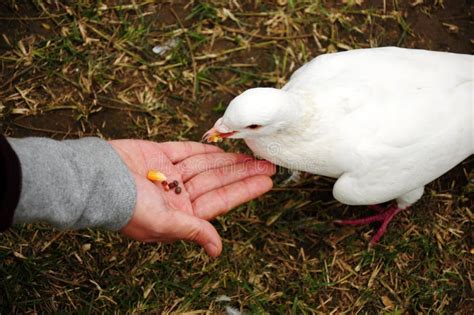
[{"x": 212, "y": 183}]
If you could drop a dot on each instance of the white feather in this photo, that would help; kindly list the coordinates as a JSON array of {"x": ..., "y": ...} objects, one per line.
[{"x": 232, "y": 310}]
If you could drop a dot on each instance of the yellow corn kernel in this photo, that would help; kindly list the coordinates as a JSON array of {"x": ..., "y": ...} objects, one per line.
[
  {"x": 156, "y": 176},
  {"x": 215, "y": 138}
]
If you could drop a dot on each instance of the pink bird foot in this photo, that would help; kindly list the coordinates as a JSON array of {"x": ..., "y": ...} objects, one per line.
[{"x": 384, "y": 216}]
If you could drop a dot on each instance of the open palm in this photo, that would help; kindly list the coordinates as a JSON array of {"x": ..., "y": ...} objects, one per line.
[{"x": 212, "y": 183}]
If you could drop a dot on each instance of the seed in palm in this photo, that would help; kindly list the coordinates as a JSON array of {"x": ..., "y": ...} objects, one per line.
[
  {"x": 165, "y": 185},
  {"x": 173, "y": 184}
]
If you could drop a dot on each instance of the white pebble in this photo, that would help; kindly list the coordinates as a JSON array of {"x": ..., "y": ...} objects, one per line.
[{"x": 162, "y": 49}]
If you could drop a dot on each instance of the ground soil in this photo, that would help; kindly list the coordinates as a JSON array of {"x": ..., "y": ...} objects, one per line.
[{"x": 428, "y": 25}]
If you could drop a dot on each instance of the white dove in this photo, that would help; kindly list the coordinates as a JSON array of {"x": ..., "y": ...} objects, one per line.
[{"x": 383, "y": 121}]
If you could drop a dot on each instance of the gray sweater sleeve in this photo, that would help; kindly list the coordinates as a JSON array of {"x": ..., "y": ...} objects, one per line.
[{"x": 73, "y": 184}]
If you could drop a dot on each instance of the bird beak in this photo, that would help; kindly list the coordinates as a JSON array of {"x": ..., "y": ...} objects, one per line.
[
  {"x": 218, "y": 132},
  {"x": 213, "y": 135}
]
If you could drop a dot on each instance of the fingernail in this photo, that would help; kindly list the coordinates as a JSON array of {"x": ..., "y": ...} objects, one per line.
[{"x": 211, "y": 249}]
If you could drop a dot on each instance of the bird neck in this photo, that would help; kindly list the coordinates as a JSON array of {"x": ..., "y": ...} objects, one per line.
[{"x": 291, "y": 112}]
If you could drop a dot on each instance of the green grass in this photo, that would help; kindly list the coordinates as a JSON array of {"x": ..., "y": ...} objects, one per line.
[{"x": 78, "y": 69}]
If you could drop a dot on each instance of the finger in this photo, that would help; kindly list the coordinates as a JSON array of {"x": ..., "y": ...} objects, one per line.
[
  {"x": 190, "y": 228},
  {"x": 196, "y": 164},
  {"x": 178, "y": 151},
  {"x": 222, "y": 176},
  {"x": 219, "y": 201}
]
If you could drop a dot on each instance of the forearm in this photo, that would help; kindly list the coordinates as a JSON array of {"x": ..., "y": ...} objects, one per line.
[
  {"x": 10, "y": 174},
  {"x": 73, "y": 184}
]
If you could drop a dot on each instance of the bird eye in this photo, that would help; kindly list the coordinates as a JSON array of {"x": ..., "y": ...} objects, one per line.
[{"x": 253, "y": 126}]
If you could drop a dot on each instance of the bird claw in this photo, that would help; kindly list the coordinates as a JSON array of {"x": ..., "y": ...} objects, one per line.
[{"x": 384, "y": 216}]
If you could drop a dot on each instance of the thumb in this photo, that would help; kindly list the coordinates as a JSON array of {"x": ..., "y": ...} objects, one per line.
[{"x": 191, "y": 228}]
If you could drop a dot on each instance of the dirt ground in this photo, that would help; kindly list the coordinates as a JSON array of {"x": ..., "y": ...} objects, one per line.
[
  {"x": 73, "y": 69},
  {"x": 444, "y": 28}
]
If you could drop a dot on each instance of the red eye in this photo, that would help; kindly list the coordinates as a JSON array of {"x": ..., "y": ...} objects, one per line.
[{"x": 253, "y": 126}]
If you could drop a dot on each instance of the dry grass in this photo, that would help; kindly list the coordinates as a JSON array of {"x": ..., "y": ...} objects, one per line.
[{"x": 72, "y": 69}]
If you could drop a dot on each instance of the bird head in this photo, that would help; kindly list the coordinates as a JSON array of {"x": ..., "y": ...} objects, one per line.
[{"x": 255, "y": 113}]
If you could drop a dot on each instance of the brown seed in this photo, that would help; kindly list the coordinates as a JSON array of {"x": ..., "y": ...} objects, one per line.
[
  {"x": 165, "y": 185},
  {"x": 176, "y": 183},
  {"x": 172, "y": 185},
  {"x": 177, "y": 190}
]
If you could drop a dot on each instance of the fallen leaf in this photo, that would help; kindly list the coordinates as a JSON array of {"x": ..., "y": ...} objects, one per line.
[
  {"x": 388, "y": 302},
  {"x": 452, "y": 28}
]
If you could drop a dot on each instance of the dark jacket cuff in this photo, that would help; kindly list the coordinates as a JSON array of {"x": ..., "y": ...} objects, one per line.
[{"x": 10, "y": 183}]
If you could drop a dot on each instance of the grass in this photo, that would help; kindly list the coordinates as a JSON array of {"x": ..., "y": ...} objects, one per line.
[{"x": 87, "y": 68}]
